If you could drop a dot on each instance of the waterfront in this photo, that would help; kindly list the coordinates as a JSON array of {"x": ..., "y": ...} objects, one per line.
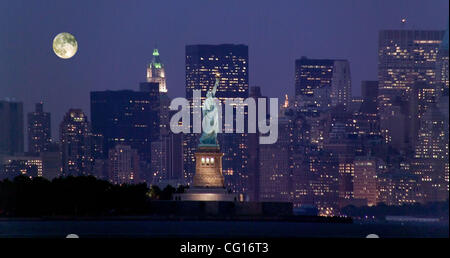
[{"x": 213, "y": 229}]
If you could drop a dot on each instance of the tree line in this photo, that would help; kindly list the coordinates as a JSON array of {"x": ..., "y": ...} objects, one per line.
[{"x": 76, "y": 196}]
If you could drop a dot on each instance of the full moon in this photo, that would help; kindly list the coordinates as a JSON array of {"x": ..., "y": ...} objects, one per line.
[{"x": 65, "y": 45}]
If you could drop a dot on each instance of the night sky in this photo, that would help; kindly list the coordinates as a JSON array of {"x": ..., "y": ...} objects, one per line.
[{"x": 116, "y": 38}]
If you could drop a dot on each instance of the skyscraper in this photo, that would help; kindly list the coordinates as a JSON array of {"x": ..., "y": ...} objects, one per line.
[
  {"x": 123, "y": 165},
  {"x": 156, "y": 77},
  {"x": 367, "y": 120},
  {"x": 127, "y": 117},
  {"x": 167, "y": 149},
  {"x": 167, "y": 160},
  {"x": 74, "y": 136},
  {"x": 156, "y": 72},
  {"x": 317, "y": 183},
  {"x": 366, "y": 180},
  {"x": 431, "y": 154},
  {"x": 164, "y": 102},
  {"x": 442, "y": 67},
  {"x": 275, "y": 166},
  {"x": 51, "y": 161},
  {"x": 369, "y": 93},
  {"x": 405, "y": 58},
  {"x": 322, "y": 83},
  {"x": 39, "y": 130},
  {"x": 11, "y": 127},
  {"x": 203, "y": 63},
  {"x": 254, "y": 152},
  {"x": 397, "y": 188},
  {"x": 340, "y": 141},
  {"x": 274, "y": 174}
]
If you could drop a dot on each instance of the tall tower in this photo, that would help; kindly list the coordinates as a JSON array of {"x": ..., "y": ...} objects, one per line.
[
  {"x": 129, "y": 118},
  {"x": 431, "y": 152},
  {"x": 275, "y": 166},
  {"x": 406, "y": 64},
  {"x": 404, "y": 58},
  {"x": 322, "y": 83},
  {"x": 442, "y": 66},
  {"x": 39, "y": 131},
  {"x": 156, "y": 72},
  {"x": 11, "y": 127},
  {"x": 254, "y": 151},
  {"x": 75, "y": 135},
  {"x": 123, "y": 164}
]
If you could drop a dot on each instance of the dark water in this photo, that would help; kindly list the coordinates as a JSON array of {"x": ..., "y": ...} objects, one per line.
[{"x": 221, "y": 229}]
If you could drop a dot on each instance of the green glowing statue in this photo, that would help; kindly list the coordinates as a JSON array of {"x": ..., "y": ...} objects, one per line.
[{"x": 210, "y": 122}]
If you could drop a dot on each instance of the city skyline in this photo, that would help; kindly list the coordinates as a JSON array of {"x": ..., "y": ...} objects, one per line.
[
  {"x": 37, "y": 78},
  {"x": 335, "y": 149}
]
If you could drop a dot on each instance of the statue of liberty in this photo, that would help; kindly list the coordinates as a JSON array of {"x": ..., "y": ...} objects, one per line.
[{"x": 210, "y": 122}]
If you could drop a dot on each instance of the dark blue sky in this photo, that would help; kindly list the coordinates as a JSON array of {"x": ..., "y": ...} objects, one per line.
[{"x": 116, "y": 38}]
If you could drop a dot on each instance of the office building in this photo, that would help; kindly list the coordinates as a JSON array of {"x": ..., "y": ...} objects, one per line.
[
  {"x": 74, "y": 133},
  {"x": 123, "y": 165},
  {"x": 164, "y": 102},
  {"x": 167, "y": 160},
  {"x": 365, "y": 180},
  {"x": 405, "y": 58},
  {"x": 317, "y": 182},
  {"x": 366, "y": 118},
  {"x": 396, "y": 188},
  {"x": 442, "y": 65},
  {"x": 430, "y": 161},
  {"x": 11, "y": 127},
  {"x": 275, "y": 166},
  {"x": 322, "y": 83},
  {"x": 13, "y": 166},
  {"x": 156, "y": 72},
  {"x": 39, "y": 130},
  {"x": 254, "y": 151},
  {"x": 129, "y": 118},
  {"x": 51, "y": 161}
]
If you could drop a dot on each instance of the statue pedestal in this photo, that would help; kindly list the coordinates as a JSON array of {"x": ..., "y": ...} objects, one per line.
[
  {"x": 209, "y": 183},
  {"x": 208, "y": 167}
]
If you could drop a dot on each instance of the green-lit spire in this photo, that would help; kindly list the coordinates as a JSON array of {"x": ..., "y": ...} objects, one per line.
[
  {"x": 156, "y": 63},
  {"x": 155, "y": 71}
]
